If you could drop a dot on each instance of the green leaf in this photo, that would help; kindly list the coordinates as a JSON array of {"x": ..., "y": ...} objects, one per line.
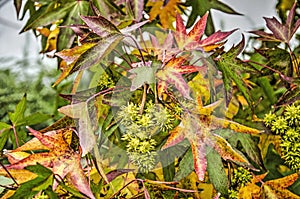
[
  {"x": 4, "y": 182},
  {"x": 216, "y": 172},
  {"x": 26, "y": 190},
  {"x": 143, "y": 74},
  {"x": 250, "y": 147},
  {"x": 264, "y": 83},
  {"x": 18, "y": 115},
  {"x": 48, "y": 14},
  {"x": 4, "y": 126},
  {"x": 42, "y": 171},
  {"x": 35, "y": 118},
  {"x": 186, "y": 166},
  {"x": 4, "y": 135},
  {"x": 231, "y": 67},
  {"x": 66, "y": 35}
]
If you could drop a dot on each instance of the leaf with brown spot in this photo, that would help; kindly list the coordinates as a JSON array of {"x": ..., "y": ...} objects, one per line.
[{"x": 60, "y": 158}]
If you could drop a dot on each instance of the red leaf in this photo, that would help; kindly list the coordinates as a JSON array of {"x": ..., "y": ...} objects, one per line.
[
  {"x": 199, "y": 28},
  {"x": 215, "y": 38},
  {"x": 264, "y": 36},
  {"x": 100, "y": 25},
  {"x": 199, "y": 155},
  {"x": 279, "y": 31},
  {"x": 180, "y": 34},
  {"x": 191, "y": 41},
  {"x": 61, "y": 159},
  {"x": 180, "y": 28},
  {"x": 296, "y": 26}
]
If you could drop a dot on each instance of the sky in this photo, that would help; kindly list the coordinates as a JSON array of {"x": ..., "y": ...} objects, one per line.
[{"x": 12, "y": 43}]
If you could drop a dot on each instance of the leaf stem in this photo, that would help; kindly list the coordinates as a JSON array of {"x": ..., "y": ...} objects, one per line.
[
  {"x": 143, "y": 99},
  {"x": 16, "y": 135}
]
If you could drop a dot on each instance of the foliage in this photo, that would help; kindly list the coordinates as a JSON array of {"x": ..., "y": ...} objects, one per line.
[{"x": 156, "y": 111}]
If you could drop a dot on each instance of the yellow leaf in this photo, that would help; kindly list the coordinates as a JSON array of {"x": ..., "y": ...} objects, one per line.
[
  {"x": 167, "y": 13},
  {"x": 233, "y": 108},
  {"x": 20, "y": 175},
  {"x": 219, "y": 122},
  {"x": 265, "y": 140},
  {"x": 51, "y": 41},
  {"x": 14, "y": 157}
]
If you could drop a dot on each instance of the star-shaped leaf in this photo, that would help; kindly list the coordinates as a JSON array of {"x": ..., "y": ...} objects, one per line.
[
  {"x": 276, "y": 188},
  {"x": 172, "y": 72},
  {"x": 280, "y": 32},
  {"x": 60, "y": 159},
  {"x": 231, "y": 67},
  {"x": 145, "y": 73},
  {"x": 197, "y": 129},
  {"x": 191, "y": 40},
  {"x": 200, "y": 7},
  {"x": 166, "y": 10}
]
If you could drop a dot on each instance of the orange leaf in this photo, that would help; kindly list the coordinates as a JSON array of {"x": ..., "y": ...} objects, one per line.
[
  {"x": 166, "y": 12},
  {"x": 176, "y": 136},
  {"x": 61, "y": 159}
]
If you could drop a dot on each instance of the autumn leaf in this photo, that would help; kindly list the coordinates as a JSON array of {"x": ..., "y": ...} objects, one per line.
[
  {"x": 191, "y": 40},
  {"x": 60, "y": 159},
  {"x": 172, "y": 72},
  {"x": 276, "y": 188},
  {"x": 198, "y": 130},
  {"x": 280, "y": 32},
  {"x": 165, "y": 51},
  {"x": 200, "y": 7},
  {"x": 86, "y": 135},
  {"x": 165, "y": 11}
]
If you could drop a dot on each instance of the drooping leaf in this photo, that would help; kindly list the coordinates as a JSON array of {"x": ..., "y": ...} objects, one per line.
[
  {"x": 48, "y": 14},
  {"x": 96, "y": 53},
  {"x": 200, "y": 7},
  {"x": 85, "y": 130},
  {"x": 71, "y": 56}
]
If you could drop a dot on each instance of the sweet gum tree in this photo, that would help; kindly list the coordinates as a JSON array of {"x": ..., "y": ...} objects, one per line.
[{"x": 158, "y": 108}]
